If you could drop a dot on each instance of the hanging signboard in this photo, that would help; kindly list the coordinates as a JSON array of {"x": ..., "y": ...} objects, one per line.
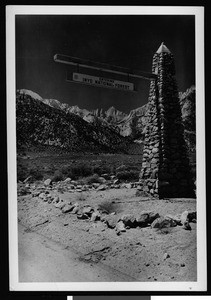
[{"x": 103, "y": 82}]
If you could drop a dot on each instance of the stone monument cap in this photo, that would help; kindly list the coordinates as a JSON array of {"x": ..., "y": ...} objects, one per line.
[{"x": 163, "y": 48}]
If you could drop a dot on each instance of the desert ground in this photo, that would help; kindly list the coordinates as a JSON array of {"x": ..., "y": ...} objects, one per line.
[{"x": 70, "y": 231}]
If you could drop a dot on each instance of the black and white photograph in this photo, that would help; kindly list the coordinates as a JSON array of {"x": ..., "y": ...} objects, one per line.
[{"x": 106, "y": 148}]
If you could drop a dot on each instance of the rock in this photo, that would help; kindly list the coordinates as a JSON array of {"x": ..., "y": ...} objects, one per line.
[
  {"x": 47, "y": 182},
  {"x": 120, "y": 227},
  {"x": 67, "y": 180},
  {"x": 116, "y": 186},
  {"x": 82, "y": 216},
  {"x": 147, "y": 218},
  {"x": 184, "y": 217},
  {"x": 192, "y": 216},
  {"x": 75, "y": 210},
  {"x": 95, "y": 185},
  {"x": 55, "y": 200},
  {"x": 111, "y": 221},
  {"x": 163, "y": 223},
  {"x": 88, "y": 210},
  {"x": 128, "y": 185},
  {"x": 152, "y": 216},
  {"x": 102, "y": 179},
  {"x": 67, "y": 208},
  {"x": 174, "y": 218},
  {"x": 42, "y": 195},
  {"x": 95, "y": 216},
  {"x": 182, "y": 265},
  {"x": 165, "y": 256},
  {"x": 186, "y": 226},
  {"x": 142, "y": 220},
  {"x": 102, "y": 187},
  {"x": 116, "y": 181},
  {"x": 129, "y": 220},
  {"x": 60, "y": 204},
  {"x": 35, "y": 193}
]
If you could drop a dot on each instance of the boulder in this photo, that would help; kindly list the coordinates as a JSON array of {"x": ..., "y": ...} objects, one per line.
[
  {"x": 42, "y": 195},
  {"x": 152, "y": 216},
  {"x": 111, "y": 221},
  {"x": 75, "y": 210},
  {"x": 120, "y": 227},
  {"x": 184, "y": 217},
  {"x": 56, "y": 199},
  {"x": 88, "y": 210},
  {"x": 82, "y": 216},
  {"x": 163, "y": 222},
  {"x": 146, "y": 218},
  {"x": 165, "y": 256},
  {"x": 102, "y": 179},
  {"x": 67, "y": 180},
  {"x": 129, "y": 220},
  {"x": 67, "y": 208},
  {"x": 176, "y": 218},
  {"x": 192, "y": 216},
  {"x": 95, "y": 185},
  {"x": 186, "y": 226},
  {"x": 60, "y": 204},
  {"x": 95, "y": 216},
  {"x": 128, "y": 185},
  {"x": 142, "y": 220},
  {"x": 102, "y": 187},
  {"x": 47, "y": 182}
]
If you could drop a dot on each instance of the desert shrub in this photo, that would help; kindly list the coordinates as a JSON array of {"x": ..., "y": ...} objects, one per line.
[
  {"x": 128, "y": 175},
  {"x": 103, "y": 169},
  {"x": 121, "y": 168},
  {"x": 22, "y": 172},
  {"x": 36, "y": 174},
  {"x": 78, "y": 171},
  {"x": 93, "y": 179},
  {"x": 108, "y": 207},
  {"x": 58, "y": 176}
]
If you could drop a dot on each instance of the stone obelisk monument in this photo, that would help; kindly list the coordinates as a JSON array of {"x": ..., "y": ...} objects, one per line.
[{"x": 165, "y": 167}]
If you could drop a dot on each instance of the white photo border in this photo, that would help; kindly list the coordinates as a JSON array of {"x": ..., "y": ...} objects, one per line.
[{"x": 15, "y": 285}]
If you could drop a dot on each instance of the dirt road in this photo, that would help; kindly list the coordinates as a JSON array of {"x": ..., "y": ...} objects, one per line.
[{"x": 44, "y": 260}]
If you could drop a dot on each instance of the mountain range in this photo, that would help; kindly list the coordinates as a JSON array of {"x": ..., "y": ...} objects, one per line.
[{"x": 50, "y": 122}]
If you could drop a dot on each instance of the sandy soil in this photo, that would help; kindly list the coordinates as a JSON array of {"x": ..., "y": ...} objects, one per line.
[{"x": 56, "y": 246}]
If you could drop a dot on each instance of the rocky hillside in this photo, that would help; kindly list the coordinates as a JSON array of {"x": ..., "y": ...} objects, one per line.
[
  {"x": 188, "y": 107},
  {"x": 41, "y": 124},
  {"x": 99, "y": 127}
]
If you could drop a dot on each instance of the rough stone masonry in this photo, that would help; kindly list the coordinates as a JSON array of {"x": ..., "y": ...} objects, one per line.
[{"x": 165, "y": 167}]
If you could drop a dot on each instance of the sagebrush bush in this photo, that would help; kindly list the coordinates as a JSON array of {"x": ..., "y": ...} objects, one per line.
[
  {"x": 103, "y": 169},
  {"x": 78, "y": 171},
  {"x": 128, "y": 175},
  {"x": 36, "y": 174},
  {"x": 93, "y": 179},
  {"x": 58, "y": 176}
]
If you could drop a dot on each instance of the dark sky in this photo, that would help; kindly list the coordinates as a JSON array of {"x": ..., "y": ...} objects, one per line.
[{"x": 127, "y": 41}]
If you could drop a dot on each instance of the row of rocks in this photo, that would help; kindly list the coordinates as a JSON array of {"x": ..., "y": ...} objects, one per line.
[
  {"x": 73, "y": 186},
  {"x": 120, "y": 223}
]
